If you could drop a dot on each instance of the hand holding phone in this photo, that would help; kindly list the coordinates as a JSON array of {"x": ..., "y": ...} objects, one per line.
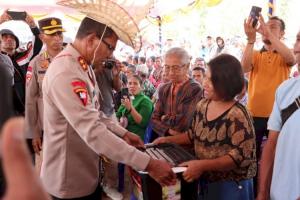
[
  {"x": 254, "y": 14},
  {"x": 124, "y": 93},
  {"x": 17, "y": 15}
]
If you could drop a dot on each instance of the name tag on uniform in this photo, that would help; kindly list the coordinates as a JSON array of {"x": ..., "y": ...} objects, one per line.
[{"x": 41, "y": 72}]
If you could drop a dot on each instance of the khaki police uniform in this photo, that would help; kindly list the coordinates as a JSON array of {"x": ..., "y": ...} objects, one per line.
[
  {"x": 34, "y": 97},
  {"x": 34, "y": 78},
  {"x": 75, "y": 133}
]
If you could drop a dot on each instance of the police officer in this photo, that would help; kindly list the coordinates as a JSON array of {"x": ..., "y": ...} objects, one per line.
[
  {"x": 52, "y": 36},
  {"x": 75, "y": 134}
]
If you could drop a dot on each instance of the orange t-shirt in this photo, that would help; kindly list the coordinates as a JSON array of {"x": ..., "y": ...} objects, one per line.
[{"x": 268, "y": 72}]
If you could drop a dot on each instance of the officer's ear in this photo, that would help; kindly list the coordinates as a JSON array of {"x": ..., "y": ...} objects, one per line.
[
  {"x": 42, "y": 36},
  {"x": 92, "y": 39}
]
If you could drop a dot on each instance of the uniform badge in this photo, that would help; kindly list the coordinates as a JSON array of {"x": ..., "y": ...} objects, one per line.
[
  {"x": 81, "y": 91},
  {"x": 44, "y": 64},
  {"x": 53, "y": 22},
  {"x": 83, "y": 63},
  {"x": 28, "y": 74}
]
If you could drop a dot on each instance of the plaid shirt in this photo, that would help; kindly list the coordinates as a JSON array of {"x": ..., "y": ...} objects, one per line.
[{"x": 179, "y": 116}]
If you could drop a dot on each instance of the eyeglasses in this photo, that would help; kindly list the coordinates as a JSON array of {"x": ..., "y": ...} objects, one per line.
[
  {"x": 109, "y": 46},
  {"x": 175, "y": 68}
]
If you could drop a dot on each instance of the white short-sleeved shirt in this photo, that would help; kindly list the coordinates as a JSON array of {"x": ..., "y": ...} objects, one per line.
[{"x": 286, "y": 172}]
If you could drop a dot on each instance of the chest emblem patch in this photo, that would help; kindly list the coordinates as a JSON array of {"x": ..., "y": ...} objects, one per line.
[{"x": 28, "y": 74}]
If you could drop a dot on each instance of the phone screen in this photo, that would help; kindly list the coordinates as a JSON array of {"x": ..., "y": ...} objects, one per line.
[
  {"x": 15, "y": 15},
  {"x": 254, "y": 13},
  {"x": 124, "y": 92}
]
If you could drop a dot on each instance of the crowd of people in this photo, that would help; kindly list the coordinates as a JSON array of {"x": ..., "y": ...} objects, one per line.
[{"x": 87, "y": 114}]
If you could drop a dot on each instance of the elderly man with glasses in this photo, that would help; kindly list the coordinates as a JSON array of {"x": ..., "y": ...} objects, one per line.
[{"x": 177, "y": 99}]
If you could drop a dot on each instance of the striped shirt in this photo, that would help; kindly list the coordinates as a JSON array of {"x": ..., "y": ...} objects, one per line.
[{"x": 177, "y": 112}]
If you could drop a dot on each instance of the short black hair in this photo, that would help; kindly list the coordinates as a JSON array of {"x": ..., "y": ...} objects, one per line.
[
  {"x": 89, "y": 26},
  {"x": 227, "y": 76},
  {"x": 136, "y": 59},
  {"x": 142, "y": 59},
  {"x": 199, "y": 69},
  {"x": 152, "y": 58},
  {"x": 219, "y": 38},
  {"x": 282, "y": 24},
  {"x": 125, "y": 63}
]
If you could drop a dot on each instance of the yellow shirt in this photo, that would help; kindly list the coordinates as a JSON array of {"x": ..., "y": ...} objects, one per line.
[{"x": 269, "y": 71}]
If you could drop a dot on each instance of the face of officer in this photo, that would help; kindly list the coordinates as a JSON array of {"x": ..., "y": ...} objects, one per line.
[
  {"x": 101, "y": 50},
  {"x": 95, "y": 41},
  {"x": 8, "y": 43},
  {"x": 53, "y": 41}
]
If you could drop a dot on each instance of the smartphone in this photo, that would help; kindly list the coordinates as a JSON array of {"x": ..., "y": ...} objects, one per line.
[
  {"x": 124, "y": 92},
  {"x": 17, "y": 15},
  {"x": 254, "y": 14}
]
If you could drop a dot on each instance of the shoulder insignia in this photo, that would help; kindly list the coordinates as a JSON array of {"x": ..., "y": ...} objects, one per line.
[
  {"x": 81, "y": 91},
  {"x": 28, "y": 74},
  {"x": 79, "y": 84},
  {"x": 83, "y": 63}
]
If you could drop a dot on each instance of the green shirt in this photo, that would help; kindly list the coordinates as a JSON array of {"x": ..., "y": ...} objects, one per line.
[{"x": 144, "y": 106}]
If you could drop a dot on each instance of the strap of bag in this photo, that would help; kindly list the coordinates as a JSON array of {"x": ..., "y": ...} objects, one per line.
[{"x": 287, "y": 112}]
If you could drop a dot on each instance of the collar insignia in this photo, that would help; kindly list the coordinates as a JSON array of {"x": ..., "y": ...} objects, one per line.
[{"x": 83, "y": 63}]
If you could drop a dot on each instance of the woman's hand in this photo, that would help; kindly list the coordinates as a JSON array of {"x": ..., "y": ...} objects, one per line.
[
  {"x": 126, "y": 102},
  {"x": 161, "y": 140},
  {"x": 195, "y": 169}
]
